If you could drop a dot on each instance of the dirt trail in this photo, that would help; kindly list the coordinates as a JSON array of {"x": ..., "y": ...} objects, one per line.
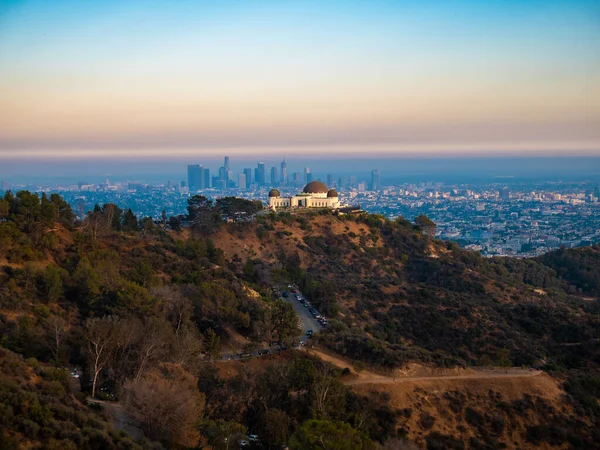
[
  {"x": 512, "y": 373},
  {"x": 368, "y": 377}
]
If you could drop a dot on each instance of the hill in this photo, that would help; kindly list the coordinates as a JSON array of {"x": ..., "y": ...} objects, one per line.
[{"x": 143, "y": 310}]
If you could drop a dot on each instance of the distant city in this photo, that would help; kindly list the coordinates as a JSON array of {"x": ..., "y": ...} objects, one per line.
[{"x": 523, "y": 219}]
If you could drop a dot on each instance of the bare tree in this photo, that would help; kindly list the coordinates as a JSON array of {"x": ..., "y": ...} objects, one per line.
[
  {"x": 55, "y": 332},
  {"x": 126, "y": 335},
  {"x": 152, "y": 345},
  {"x": 327, "y": 389},
  {"x": 99, "y": 333},
  {"x": 186, "y": 347},
  {"x": 177, "y": 308},
  {"x": 167, "y": 405},
  {"x": 93, "y": 222},
  {"x": 109, "y": 211}
]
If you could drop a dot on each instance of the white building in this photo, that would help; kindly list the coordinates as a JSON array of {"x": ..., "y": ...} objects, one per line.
[{"x": 314, "y": 195}]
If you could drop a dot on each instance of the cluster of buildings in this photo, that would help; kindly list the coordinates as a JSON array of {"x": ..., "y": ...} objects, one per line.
[
  {"x": 521, "y": 220},
  {"x": 199, "y": 178},
  {"x": 524, "y": 219}
]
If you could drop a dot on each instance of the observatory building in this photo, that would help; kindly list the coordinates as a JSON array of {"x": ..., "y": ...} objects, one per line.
[{"x": 314, "y": 195}]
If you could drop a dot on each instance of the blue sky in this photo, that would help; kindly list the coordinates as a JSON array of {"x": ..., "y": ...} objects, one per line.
[{"x": 114, "y": 78}]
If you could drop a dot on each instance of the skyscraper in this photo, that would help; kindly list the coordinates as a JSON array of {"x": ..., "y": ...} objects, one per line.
[
  {"x": 206, "y": 178},
  {"x": 195, "y": 177},
  {"x": 242, "y": 181},
  {"x": 284, "y": 175},
  {"x": 261, "y": 175},
  {"x": 330, "y": 180},
  {"x": 375, "y": 180},
  {"x": 505, "y": 193},
  {"x": 226, "y": 164},
  {"x": 248, "y": 173},
  {"x": 306, "y": 172},
  {"x": 297, "y": 179},
  {"x": 274, "y": 181}
]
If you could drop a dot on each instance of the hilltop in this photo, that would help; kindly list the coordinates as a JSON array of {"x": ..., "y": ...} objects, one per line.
[{"x": 165, "y": 298}]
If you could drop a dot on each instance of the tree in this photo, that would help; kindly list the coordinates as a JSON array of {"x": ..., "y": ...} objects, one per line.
[
  {"x": 281, "y": 320},
  {"x": 238, "y": 208},
  {"x": 62, "y": 211},
  {"x": 202, "y": 215},
  {"x": 94, "y": 222},
  {"x": 175, "y": 223},
  {"x": 153, "y": 344},
  {"x": 223, "y": 435},
  {"x": 130, "y": 222},
  {"x": 329, "y": 393},
  {"x": 277, "y": 424},
  {"x": 327, "y": 435},
  {"x": 186, "y": 348},
  {"x": 167, "y": 405},
  {"x": 426, "y": 225},
  {"x": 26, "y": 207},
  {"x": 212, "y": 344},
  {"x": 503, "y": 358},
  {"x": 51, "y": 283},
  {"x": 147, "y": 225},
  {"x": 55, "y": 332},
  {"x": 47, "y": 211},
  {"x": 86, "y": 282},
  {"x": 112, "y": 217},
  {"x": 99, "y": 334},
  {"x": 133, "y": 298},
  {"x": 4, "y": 209}
]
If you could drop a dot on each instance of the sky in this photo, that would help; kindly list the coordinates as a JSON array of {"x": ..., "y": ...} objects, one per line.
[{"x": 185, "y": 80}]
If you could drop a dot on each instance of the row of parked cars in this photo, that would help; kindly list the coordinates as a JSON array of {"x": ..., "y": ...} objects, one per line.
[
  {"x": 311, "y": 309},
  {"x": 296, "y": 294}
]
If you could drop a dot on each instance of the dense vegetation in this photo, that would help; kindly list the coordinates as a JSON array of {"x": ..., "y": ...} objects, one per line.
[{"x": 143, "y": 307}]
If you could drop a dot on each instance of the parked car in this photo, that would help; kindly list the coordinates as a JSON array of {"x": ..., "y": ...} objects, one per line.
[{"x": 309, "y": 332}]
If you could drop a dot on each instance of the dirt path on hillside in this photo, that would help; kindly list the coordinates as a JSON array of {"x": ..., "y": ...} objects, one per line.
[
  {"x": 498, "y": 373},
  {"x": 368, "y": 377}
]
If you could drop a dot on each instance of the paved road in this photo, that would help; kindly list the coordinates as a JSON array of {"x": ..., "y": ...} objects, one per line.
[{"x": 307, "y": 321}]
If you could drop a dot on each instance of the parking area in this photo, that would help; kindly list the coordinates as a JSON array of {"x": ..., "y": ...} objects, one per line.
[
  {"x": 311, "y": 322},
  {"x": 310, "y": 318}
]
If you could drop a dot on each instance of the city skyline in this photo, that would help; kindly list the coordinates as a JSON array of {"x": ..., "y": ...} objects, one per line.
[{"x": 116, "y": 81}]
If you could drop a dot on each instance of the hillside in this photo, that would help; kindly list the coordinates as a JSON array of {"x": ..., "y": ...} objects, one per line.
[
  {"x": 400, "y": 296},
  {"x": 144, "y": 310}
]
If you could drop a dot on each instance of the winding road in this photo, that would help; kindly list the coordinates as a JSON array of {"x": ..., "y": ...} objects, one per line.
[{"x": 306, "y": 322}]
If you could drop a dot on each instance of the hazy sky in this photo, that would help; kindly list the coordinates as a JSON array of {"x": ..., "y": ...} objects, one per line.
[{"x": 181, "y": 78}]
